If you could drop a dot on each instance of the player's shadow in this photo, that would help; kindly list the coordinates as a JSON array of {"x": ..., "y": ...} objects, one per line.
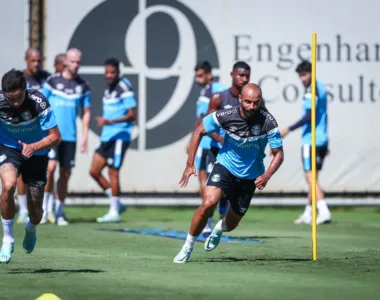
[
  {"x": 253, "y": 260},
  {"x": 48, "y": 271},
  {"x": 82, "y": 220}
]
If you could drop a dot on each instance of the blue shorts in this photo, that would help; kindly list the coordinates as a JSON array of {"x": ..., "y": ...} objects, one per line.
[{"x": 321, "y": 152}]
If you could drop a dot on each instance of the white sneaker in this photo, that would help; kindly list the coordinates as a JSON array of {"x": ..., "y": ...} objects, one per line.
[
  {"x": 303, "y": 219},
  {"x": 324, "y": 218},
  {"x": 183, "y": 256},
  {"x": 44, "y": 219},
  {"x": 62, "y": 222}
]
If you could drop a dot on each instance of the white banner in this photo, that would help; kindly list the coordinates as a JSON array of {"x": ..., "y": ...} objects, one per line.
[{"x": 159, "y": 43}]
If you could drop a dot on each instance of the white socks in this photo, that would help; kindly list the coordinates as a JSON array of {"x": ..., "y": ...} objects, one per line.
[
  {"x": 108, "y": 192},
  {"x": 30, "y": 227},
  {"x": 7, "y": 231},
  {"x": 50, "y": 206},
  {"x": 59, "y": 205},
  {"x": 322, "y": 207},
  {"x": 190, "y": 240},
  {"x": 114, "y": 206},
  {"x": 22, "y": 202},
  {"x": 308, "y": 210},
  {"x": 220, "y": 227}
]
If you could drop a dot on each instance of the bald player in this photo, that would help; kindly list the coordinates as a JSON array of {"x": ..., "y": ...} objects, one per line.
[
  {"x": 35, "y": 78},
  {"x": 67, "y": 92},
  {"x": 239, "y": 168}
]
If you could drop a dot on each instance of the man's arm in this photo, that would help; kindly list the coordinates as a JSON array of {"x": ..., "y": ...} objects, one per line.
[
  {"x": 194, "y": 143},
  {"x": 52, "y": 139},
  {"x": 278, "y": 158},
  {"x": 214, "y": 104},
  {"x": 305, "y": 119},
  {"x": 86, "y": 122},
  {"x": 130, "y": 116}
]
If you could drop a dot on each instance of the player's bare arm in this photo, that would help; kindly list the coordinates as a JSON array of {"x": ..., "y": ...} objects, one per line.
[
  {"x": 194, "y": 143},
  {"x": 52, "y": 139},
  {"x": 214, "y": 104},
  {"x": 277, "y": 159},
  {"x": 130, "y": 116},
  {"x": 85, "y": 128}
]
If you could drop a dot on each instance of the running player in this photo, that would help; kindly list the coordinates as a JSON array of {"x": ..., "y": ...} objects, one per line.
[
  {"x": 48, "y": 203},
  {"x": 239, "y": 169},
  {"x": 28, "y": 130},
  {"x": 119, "y": 112},
  {"x": 67, "y": 92},
  {"x": 229, "y": 98},
  {"x": 322, "y": 140},
  {"x": 204, "y": 77},
  {"x": 35, "y": 78}
]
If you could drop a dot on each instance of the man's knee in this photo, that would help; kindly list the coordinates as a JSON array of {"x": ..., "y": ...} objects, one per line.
[
  {"x": 9, "y": 187},
  {"x": 65, "y": 174},
  {"x": 113, "y": 173},
  {"x": 51, "y": 167},
  {"x": 94, "y": 173}
]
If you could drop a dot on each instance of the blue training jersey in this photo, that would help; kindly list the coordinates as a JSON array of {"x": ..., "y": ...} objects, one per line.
[
  {"x": 202, "y": 107},
  {"x": 28, "y": 124},
  {"x": 322, "y": 137},
  {"x": 66, "y": 96},
  {"x": 243, "y": 151},
  {"x": 117, "y": 100}
]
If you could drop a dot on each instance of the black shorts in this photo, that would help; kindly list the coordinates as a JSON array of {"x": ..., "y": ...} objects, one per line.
[
  {"x": 211, "y": 158},
  {"x": 65, "y": 154},
  {"x": 320, "y": 157},
  {"x": 113, "y": 152},
  {"x": 32, "y": 170},
  {"x": 200, "y": 159},
  {"x": 238, "y": 191}
]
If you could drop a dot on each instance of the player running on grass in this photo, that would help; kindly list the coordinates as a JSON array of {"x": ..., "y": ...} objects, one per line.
[
  {"x": 239, "y": 168},
  {"x": 28, "y": 130}
]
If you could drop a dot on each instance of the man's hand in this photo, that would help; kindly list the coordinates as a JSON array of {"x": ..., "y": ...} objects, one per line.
[
  {"x": 84, "y": 145},
  {"x": 284, "y": 132},
  {"x": 190, "y": 170},
  {"x": 27, "y": 149},
  {"x": 261, "y": 181},
  {"x": 101, "y": 121}
]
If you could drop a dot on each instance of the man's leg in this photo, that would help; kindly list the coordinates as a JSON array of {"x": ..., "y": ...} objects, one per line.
[
  {"x": 8, "y": 175},
  {"x": 241, "y": 192},
  {"x": 324, "y": 214},
  {"x": 34, "y": 173},
  {"x": 22, "y": 202},
  {"x": 211, "y": 197},
  {"x": 48, "y": 201},
  {"x": 202, "y": 176}
]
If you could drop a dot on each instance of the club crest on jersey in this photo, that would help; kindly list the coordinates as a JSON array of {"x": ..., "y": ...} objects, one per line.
[
  {"x": 2, "y": 97},
  {"x": 215, "y": 178},
  {"x": 60, "y": 86},
  {"x": 78, "y": 89},
  {"x": 256, "y": 129},
  {"x": 26, "y": 115}
]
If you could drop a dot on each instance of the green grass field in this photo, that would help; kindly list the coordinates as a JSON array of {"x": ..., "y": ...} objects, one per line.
[{"x": 82, "y": 262}]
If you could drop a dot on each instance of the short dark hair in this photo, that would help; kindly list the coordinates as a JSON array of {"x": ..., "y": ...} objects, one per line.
[
  {"x": 13, "y": 80},
  {"x": 204, "y": 65},
  {"x": 241, "y": 65},
  {"x": 114, "y": 62},
  {"x": 60, "y": 56},
  {"x": 304, "y": 66}
]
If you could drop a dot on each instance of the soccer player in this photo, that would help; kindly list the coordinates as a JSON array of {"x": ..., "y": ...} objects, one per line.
[
  {"x": 48, "y": 203},
  {"x": 322, "y": 140},
  {"x": 239, "y": 168},
  {"x": 229, "y": 98},
  {"x": 119, "y": 112},
  {"x": 35, "y": 78},
  {"x": 67, "y": 92},
  {"x": 28, "y": 130},
  {"x": 204, "y": 77}
]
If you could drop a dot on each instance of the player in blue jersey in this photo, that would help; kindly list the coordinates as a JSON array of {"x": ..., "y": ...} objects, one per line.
[
  {"x": 49, "y": 198},
  {"x": 204, "y": 77},
  {"x": 322, "y": 141},
  {"x": 239, "y": 169},
  {"x": 35, "y": 78},
  {"x": 67, "y": 93},
  {"x": 28, "y": 129},
  {"x": 119, "y": 112}
]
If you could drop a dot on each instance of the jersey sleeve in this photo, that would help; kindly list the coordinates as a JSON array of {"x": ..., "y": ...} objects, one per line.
[
  {"x": 129, "y": 100},
  {"x": 45, "y": 112},
  {"x": 307, "y": 99},
  {"x": 47, "y": 88},
  {"x": 211, "y": 123},
  {"x": 272, "y": 131},
  {"x": 202, "y": 106},
  {"x": 86, "y": 98}
]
